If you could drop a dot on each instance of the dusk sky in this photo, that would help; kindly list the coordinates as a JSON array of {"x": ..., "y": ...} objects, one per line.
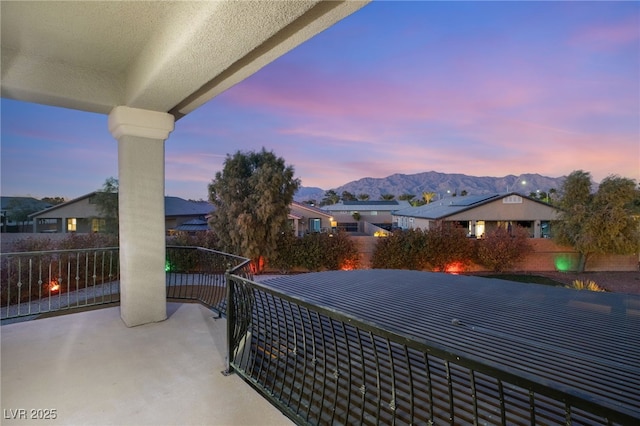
[{"x": 484, "y": 89}]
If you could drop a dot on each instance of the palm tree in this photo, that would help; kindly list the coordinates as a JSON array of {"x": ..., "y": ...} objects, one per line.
[
  {"x": 428, "y": 196},
  {"x": 387, "y": 197},
  {"x": 363, "y": 197}
]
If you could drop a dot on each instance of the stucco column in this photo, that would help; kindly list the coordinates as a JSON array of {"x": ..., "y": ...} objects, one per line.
[
  {"x": 537, "y": 228},
  {"x": 141, "y": 135}
]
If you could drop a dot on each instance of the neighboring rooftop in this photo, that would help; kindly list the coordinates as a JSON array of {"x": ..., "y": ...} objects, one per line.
[
  {"x": 452, "y": 205},
  {"x": 386, "y": 205},
  {"x": 582, "y": 342}
]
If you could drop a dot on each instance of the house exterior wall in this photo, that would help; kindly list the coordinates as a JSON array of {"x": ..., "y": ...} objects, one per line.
[
  {"x": 79, "y": 208},
  {"x": 305, "y": 214},
  {"x": 375, "y": 217},
  {"x": 83, "y": 210},
  {"x": 500, "y": 211}
]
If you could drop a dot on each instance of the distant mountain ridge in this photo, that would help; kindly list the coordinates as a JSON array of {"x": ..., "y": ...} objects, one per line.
[{"x": 442, "y": 184}]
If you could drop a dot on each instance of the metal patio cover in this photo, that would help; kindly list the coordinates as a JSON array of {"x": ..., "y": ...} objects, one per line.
[{"x": 167, "y": 56}]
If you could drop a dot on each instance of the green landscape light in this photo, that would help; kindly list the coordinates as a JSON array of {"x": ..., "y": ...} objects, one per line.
[
  {"x": 563, "y": 263},
  {"x": 167, "y": 266}
]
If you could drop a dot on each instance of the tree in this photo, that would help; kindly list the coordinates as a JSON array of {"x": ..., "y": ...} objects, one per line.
[
  {"x": 19, "y": 210},
  {"x": 347, "y": 196},
  {"x": 252, "y": 196},
  {"x": 53, "y": 200},
  {"x": 387, "y": 197},
  {"x": 428, "y": 196},
  {"x": 363, "y": 197},
  {"x": 600, "y": 223},
  {"x": 330, "y": 197},
  {"x": 406, "y": 197},
  {"x": 106, "y": 201}
]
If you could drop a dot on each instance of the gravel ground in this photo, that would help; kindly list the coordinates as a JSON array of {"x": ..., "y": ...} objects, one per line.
[{"x": 617, "y": 282}]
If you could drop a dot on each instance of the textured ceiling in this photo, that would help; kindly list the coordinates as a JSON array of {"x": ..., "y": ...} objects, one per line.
[{"x": 162, "y": 56}]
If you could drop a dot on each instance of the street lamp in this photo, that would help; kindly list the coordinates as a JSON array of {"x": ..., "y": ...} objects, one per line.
[{"x": 523, "y": 182}]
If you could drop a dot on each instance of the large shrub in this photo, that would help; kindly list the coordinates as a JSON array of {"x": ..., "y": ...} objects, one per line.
[
  {"x": 341, "y": 252},
  {"x": 435, "y": 249},
  {"x": 448, "y": 245},
  {"x": 315, "y": 252},
  {"x": 44, "y": 274},
  {"x": 286, "y": 256},
  {"x": 500, "y": 249},
  {"x": 404, "y": 249},
  {"x": 206, "y": 239}
]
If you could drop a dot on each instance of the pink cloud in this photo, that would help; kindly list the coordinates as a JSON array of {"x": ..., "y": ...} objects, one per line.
[{"x": 610, "y": 35}]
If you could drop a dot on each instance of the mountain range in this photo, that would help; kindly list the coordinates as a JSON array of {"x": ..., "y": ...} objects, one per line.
[{"x": 442, "y": 184}]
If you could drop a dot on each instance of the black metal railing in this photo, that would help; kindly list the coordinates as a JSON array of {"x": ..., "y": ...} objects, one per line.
[
  {"x": 196, "y": 273},
  {"x": 320, "y": 366},
  {"x": 33, "y": 283}
]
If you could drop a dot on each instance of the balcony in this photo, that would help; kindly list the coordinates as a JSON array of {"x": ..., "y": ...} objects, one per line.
[
  {"x": 342, "y": 347},
  {"x": 90, "y": 368},
  {"x": 93, "y": 370}
]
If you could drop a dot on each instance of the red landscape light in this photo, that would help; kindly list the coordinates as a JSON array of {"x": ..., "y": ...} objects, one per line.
[{"x": 454, "y": 268}]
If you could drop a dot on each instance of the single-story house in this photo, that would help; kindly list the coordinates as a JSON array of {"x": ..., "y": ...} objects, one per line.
[
  {"x": 375, "y": 212},
  {"x": 305, "y": 218},
  {"x": 481, "y": 213},
  {"x": 82, "y": 215}
]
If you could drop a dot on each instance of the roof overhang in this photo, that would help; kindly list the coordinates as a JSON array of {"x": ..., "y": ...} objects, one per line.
[{"x": 170, "y": 56}]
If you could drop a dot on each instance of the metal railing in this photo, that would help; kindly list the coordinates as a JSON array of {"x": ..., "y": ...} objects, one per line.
[
  {"x": 319, "y": 366},
  {"x": 196, "y": 273},
  {"x": 33, "y": 283}
]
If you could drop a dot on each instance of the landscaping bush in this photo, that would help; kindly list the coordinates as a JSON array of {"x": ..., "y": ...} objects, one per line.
[
  {"x": 286, "y": 258},
  {"x": 33, "y": 244},
  {"x": 341, "y": 252},
  {"x": 500, "y": 250},
  {"x": 315, "y": 252},
  {"x": 436, "y": 249},
  {"x": 404, "y": 249},
  {"x": 65, "y": 271},
  {"x": 448, "y": 245}
]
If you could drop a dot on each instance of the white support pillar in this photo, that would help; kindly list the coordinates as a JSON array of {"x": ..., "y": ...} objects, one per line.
[{"x": 141, "y": 135}]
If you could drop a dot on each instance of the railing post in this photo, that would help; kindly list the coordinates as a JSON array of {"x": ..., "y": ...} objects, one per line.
[{"x": 231, "y": 319}]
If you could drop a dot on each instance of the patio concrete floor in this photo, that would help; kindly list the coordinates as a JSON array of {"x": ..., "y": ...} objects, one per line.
[{"x": 93, "y": 370}]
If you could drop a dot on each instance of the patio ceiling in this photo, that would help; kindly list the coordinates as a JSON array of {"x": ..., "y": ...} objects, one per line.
[{"x": 162, "y": 56}]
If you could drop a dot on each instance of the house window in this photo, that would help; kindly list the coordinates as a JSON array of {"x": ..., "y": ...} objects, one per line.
[
  {"x": 98, "y": 225},
  {"x": 373, "y": 213},
  {"x": 314, "y": 225},
  {"x": 71, "y": 225}
]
